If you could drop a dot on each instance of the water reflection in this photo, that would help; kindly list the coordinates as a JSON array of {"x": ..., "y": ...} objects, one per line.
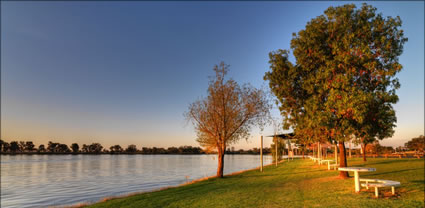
[{"x": 46, "y": 180}]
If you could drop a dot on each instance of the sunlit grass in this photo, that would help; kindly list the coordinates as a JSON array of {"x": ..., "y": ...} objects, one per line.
[{"x": 298, "y": 183}]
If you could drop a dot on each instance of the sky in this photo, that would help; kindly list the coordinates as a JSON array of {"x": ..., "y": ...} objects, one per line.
[{"x": 125, "y": 72}]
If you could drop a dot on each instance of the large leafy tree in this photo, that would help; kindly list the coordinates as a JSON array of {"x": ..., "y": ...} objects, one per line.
[
  {"x": 227, "y": 114},
  {"x": 345, "y": 59}
]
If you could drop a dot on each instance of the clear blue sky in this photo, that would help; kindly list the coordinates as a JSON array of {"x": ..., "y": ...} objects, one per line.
[{"x": 125, "y": 72}]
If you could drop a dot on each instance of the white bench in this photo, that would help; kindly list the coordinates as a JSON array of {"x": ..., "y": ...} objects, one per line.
[{"x": 378, "y": 183}]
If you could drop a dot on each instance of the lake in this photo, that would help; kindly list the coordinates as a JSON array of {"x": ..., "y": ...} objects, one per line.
[{"x": 47, "y": 180}]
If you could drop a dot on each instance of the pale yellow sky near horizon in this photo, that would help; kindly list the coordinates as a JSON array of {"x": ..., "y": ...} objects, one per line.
[
  {"x": 39, "y": 134},
  {"x": 110, "y": 130}
]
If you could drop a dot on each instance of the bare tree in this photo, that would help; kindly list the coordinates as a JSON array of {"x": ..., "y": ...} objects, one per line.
[{"x": 227, "y": 114}]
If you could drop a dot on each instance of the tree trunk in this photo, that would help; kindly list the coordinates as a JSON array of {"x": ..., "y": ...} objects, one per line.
[
  {"x": 220, "y": 164},
  {"x": 364, "y": 152},
  {"x": 343, "y": 160},
  {"x": 303, "y": 153},
  {"x": 221, "y": 151}
]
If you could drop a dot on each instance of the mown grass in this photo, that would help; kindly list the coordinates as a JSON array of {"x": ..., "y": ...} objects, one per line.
[{"x": 297, "y": 183}]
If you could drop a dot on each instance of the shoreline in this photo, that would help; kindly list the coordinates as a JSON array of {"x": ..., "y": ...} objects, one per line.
[
  {"x": 261, "y": 190},
  {"x": 84, "y": 204}
]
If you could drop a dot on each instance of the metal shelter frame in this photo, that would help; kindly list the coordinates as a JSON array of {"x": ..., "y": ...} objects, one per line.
[{"x": 287, "y": 136}]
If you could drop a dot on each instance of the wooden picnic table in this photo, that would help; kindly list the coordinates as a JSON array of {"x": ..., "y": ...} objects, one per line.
[{"x": 356, "y": 171}]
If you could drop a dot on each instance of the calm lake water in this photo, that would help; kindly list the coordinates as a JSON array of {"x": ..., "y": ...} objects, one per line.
[{"x": 55, "y": 180}]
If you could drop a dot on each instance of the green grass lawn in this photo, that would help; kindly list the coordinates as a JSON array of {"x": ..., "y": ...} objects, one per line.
[{"x": 298, "y": 183}]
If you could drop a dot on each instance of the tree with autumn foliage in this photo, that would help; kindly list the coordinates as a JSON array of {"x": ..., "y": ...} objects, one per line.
[
  {"x": 345, "y": 59},
  {"x": 227, "y": 114}
]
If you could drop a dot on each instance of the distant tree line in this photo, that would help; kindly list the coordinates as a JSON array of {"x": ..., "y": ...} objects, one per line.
[
  {"x": 28, "y": 147},
  {"x": 18, "y": 147},
  {"x": 250, "y": 151},
  {"x": 416, "y": 144},
  {"x": 376, "y": 148}
]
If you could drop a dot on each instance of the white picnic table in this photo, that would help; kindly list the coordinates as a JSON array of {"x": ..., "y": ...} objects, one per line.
[
  {"x": 356, "y": 171},
  {"x": 329, "y": 163}
]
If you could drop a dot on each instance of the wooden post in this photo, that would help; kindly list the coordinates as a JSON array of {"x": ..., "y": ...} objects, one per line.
[{"x": 261, "y": 153}]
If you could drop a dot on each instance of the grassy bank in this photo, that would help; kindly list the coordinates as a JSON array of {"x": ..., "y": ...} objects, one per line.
[{"x": 298, "y": 183}]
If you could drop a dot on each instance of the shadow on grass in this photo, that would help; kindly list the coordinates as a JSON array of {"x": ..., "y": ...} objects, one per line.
[
  {"x": 418, "y": 181},
  {"x": 392, "y": 172},
  {"x": 392, "y": 161},
  {"x": 280, "y": 174}
]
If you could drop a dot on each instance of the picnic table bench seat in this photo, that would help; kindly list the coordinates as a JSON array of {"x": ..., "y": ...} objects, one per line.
[{"x": 379, "y": 183}]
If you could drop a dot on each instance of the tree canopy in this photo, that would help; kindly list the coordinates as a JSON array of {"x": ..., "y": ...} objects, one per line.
[
  {"x": 345, "y": 62},
  {"x": 227, "y": 114}
]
